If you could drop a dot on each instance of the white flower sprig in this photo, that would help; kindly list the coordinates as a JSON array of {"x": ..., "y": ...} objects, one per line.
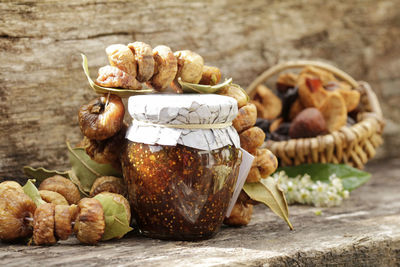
[{"x": 303, "y": 190}]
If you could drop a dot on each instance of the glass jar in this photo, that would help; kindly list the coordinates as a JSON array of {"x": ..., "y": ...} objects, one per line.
[
  {"x": 181, "y": 164},
  {"x": 178, "y": 192}
]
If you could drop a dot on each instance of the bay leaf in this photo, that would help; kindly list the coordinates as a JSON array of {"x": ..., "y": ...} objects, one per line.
[
  {"x": 40, "y": 174},
  {"x": 86, "y": 169},
  {"x": 31, "y": 190},
  {"x": 116, "y": 218},
  {"x": 351, "y": 177},
  {"x": 116, "y": 91},
  {"x": 201, "y": 88},
  {"x": 267, "y": 192}
]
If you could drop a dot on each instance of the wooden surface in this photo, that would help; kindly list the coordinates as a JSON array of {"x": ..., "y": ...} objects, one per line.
[
  {"x": 364, "y": 231},
  {"x": 42, "y": 83}
]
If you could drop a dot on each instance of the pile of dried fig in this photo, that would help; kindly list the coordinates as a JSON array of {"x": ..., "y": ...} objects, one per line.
[
  {"x": 56, "y": 211},
  {"x": 311, "y": 103}
]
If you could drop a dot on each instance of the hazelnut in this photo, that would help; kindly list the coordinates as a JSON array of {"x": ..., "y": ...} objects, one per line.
[{"x": 309, "y": 123}]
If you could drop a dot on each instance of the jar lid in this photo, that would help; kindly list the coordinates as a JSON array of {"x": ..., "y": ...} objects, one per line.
[{"x": 194, "y": 120}]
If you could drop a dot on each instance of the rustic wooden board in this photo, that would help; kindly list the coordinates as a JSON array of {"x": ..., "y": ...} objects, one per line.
[
  {"x": 364, "y": 231},
  {"x": 42, "y": 84}
]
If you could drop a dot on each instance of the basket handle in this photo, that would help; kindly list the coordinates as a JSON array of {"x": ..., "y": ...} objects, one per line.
[
  {"x": 299, "y": 64},
  {"x": 372, "y": 99}
]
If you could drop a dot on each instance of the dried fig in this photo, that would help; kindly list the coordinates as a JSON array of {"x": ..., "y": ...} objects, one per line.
[
  {"x": 334, "y": 111},
  {"x": 102, "y": 117},
  {"x": 43, "y": 225},
  {"x": 62, "y": 186},
  {"x": 254, "y": 175},
  {"x": 15, "y": 206},
  {"x": 240, "y": 215},
  {"x": 235, "y": 92},
  {"x": 108, "y": 184},
  {"x": 323, "y": 75},
  {"x": 11, "y": 185},
  {"x": 309, "y": 123},
  {"x": 190, "y": 66},
  {"x": 271, "y": 104},
  {"x": 121, "y": 56},
  {"x": 266, "y": 162},
  {"x": 251, "y": 138},
  {"x": 89, "y": 224},
  {"x": 210, "y": 75},
  {"x": 53, "y": 197},
  {"x": 64, "y": 215},
  {"x": 295, "y": 109},
  {"x": 311, "y": 91},
  {"x": 108, "y": 150},
  {"x": 286, "y": 81},
  {"x": 144, "y": 57},
  {"x": 351, "y": 98},
  {"x": 110, "y": 76},
  {"x": 166, "y": 67},
  {"x": 246, "y": 118}
]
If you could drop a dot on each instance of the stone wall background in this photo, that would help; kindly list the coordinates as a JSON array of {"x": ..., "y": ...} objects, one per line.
[{"x": 42, "y": 83}]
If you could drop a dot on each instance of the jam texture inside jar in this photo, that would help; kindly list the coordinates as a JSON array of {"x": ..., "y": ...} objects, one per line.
[
  {"x": 178, "y": 192},
  {"x": 181, "y": 163}
]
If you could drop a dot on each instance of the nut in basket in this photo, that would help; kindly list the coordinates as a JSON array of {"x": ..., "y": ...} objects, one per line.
[{"x": 317, "y": 115}]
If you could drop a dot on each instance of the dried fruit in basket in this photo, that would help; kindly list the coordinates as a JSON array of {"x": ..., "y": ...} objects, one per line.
[
  {"x": 286, "y": 81},
  {"x": 334, "y": 111},
  {"x": 311, "y": 91},
  {"x": 309, "y": 123},
  {"x": 271, "y": 105}
]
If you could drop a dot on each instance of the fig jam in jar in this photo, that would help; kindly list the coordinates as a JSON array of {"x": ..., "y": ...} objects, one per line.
[{"x": 181, "y": 164}]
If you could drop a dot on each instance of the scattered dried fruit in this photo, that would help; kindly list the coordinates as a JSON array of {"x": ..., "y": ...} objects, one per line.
[
  {"x": 240, "y": 215},
  {"x": 43, "y": 225},
  {"x": 190, "y": 66},
  {"x": 210, "y": 75},
  {"x": 102, "y": 117},
  {"x": 62, "y": 186},
  {"x": 246, "y": 118},
  {"x": 110, "y": 76},
  {"x": 53, "y": 197},
  {"x": 89, "y": 224},
  {"x": 121, "y": 56},
  {"x": 108, "y": 184},
  {"x": 266, "y": 162},
  {"x": 15, "y": 206},
  {"x": 64, "y": 215},
  {"x": 251, "y": 138},
  {"x": 144, "y": 57},
  {"x": 166, "y": 67},
  {"x": 236, "y": 92},
  {"x": 10, "y": 185}
]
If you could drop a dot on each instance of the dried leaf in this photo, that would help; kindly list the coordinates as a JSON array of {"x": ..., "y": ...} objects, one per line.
[
  {"x": 267, "y": 192},
  {"x": 87, "y": 170},
  {"x": 40, "y": 174},
  {"x": 201, "y": 88},
  {"x": 104, "y": 90},
  {"x": 31, "y": 190},
  {"x": 116, "y": 217}
]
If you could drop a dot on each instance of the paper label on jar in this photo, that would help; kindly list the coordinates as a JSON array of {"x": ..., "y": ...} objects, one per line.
[{"x": 245, "y": 166}]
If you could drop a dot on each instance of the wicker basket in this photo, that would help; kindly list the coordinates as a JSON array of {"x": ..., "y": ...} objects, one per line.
[{"x": 353, "y": 145}]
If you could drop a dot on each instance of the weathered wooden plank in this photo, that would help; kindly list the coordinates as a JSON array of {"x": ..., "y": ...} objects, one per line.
[
  {"x": 364, "y": 231},
  {"x": 42, "y": 84}
]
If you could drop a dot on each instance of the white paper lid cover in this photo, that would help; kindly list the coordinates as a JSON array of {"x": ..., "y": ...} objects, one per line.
[
  {"x": 183, "y": 108},
  {"x": 187, "y": 109}
]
